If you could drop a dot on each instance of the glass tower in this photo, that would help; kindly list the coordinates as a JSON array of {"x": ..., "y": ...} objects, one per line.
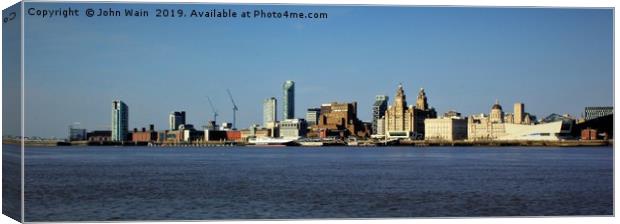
[
  {"x": 120, "y": 120},
  {"x": 288, "y": 100}
]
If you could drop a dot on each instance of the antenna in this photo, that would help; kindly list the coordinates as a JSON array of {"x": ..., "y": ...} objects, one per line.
[{"x": 235, "y": 109}]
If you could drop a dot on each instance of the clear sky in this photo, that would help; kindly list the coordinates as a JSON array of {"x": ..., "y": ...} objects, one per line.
[{"x": 553, "y": 60}]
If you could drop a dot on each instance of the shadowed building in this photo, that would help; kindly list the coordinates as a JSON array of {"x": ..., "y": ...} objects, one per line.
[
  {"x": 595, "y": 112},
  {"x": 312, "y": 116},
  {"x": 176, "y": 119},
  {"x": 340, "y": 119},
  {"x": 378, "y": 111}
]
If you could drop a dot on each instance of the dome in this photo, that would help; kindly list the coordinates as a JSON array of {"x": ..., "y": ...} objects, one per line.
[{"x": 496, "y": 106}]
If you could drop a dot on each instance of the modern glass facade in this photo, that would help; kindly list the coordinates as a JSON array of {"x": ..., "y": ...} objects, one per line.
[
  {"x": 288, "y": 100},
  {"x": 120, "y": 120}
]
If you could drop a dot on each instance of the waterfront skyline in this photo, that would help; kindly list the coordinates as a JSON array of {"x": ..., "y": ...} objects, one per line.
[{"x": 465, "y": 58}]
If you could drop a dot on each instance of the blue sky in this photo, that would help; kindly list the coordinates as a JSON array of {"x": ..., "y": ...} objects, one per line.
[{"x": 553, "y": 60}]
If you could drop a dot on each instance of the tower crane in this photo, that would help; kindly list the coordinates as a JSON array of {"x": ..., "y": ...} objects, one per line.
[
  {"x": 235, "y": 109},
  {"x": 215, "y": 114}
]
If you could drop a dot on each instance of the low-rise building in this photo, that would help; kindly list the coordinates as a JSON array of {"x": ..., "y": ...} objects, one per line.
[
  {"x": 293, "y": 128},
  {"x": 77, "y": 134},
  {"x": 144, "y": 135},
  {"x": 99, "y": 136},
  {"x": 445, "y": 129},
  {"x": 214, "y": 135}
]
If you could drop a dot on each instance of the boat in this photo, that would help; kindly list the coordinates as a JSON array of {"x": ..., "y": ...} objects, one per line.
[
  {"x": 266, "y": 141},
  {"x": 310, "y": 142}
]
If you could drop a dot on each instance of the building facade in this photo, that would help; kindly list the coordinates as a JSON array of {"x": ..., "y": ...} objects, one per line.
[
  {"x": 99, "y": 136},
  {"x": 270, "y": 114},
  {"x": 176, "y": 119},
  {"x": 293, "y": 128},
  {"x": 149, "y": 135},
  {"x": 407, "y": 121},
  {"x": 519, "y": 113},
  {"x": 445, "y": 129},
  {"x": 399, "y": 117},
  {"x": 288, "y": 100},
  {"x": 312, "y": 116},
  {"x": 595, "y": 112},
  {"x": 120, "y": 121},
  {"x": 340, "y": 119},
  {"x": 77, "y": 134},
  {"x": 378, "y": 111},
  {"x": 496, "y": 127}
]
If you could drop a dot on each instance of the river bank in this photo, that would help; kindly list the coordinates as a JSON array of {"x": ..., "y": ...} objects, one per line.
[{"x": 410, "y": 143}]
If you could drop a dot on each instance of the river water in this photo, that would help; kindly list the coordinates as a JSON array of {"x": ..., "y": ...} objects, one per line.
[{"x": 142, "y": 183}]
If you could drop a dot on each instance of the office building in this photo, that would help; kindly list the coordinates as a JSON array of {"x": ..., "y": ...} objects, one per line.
[
  {"x": 270, "y": 116},
  {"x": 407, "y": 121},
  {"x": 312, "y": 116},
  {"x": 293, "y": 128},
  {"x": 176, "y": 119},
  {"x": 445, "y": 129},
  {"x": 76, "y": 134},
  {"x": 120, "y": 121},
  {"x": 399, "y": 116},
  {"x": 378, "y": 111},
  {"x": 288, "y": 100}
]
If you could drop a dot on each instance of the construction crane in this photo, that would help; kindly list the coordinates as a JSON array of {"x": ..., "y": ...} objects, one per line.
[
  {"x": 235, "y": 109},
  {"x": 215, "y": 114}
]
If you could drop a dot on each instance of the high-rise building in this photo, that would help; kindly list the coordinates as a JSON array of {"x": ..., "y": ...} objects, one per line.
[
  {"x": 270, "y": 116},
  {"x": 519, "y": 113},
  {"x": 312, "y": 116},
  {"x": 120, "y": 121},
  {"x": 378, "y": 111},
  {"x": 288, "y": 100},
  {"x": 176, "y": 119}
]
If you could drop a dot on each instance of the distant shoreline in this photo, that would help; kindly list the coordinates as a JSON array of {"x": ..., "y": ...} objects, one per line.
[{"x": 402, "y": 143}]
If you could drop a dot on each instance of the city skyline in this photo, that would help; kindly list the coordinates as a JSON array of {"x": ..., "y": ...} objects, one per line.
[{"x": 465, "y": 59}]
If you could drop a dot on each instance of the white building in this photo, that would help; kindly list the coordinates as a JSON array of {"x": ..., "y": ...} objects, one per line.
[
  {"x": 548, "y": 132},
  {"x": 270, "y": 116},
  {"x": 293, "y": 128},
  {"x": 445, "y": 129}
]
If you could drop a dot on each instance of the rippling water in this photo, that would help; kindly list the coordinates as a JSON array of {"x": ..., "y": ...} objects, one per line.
[{"x": 133, "y": 183}]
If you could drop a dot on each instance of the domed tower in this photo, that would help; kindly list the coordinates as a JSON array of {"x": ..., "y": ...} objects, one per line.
[
  {"x": 497, "y": 115},
  {"x": 421, "y": 102}
]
